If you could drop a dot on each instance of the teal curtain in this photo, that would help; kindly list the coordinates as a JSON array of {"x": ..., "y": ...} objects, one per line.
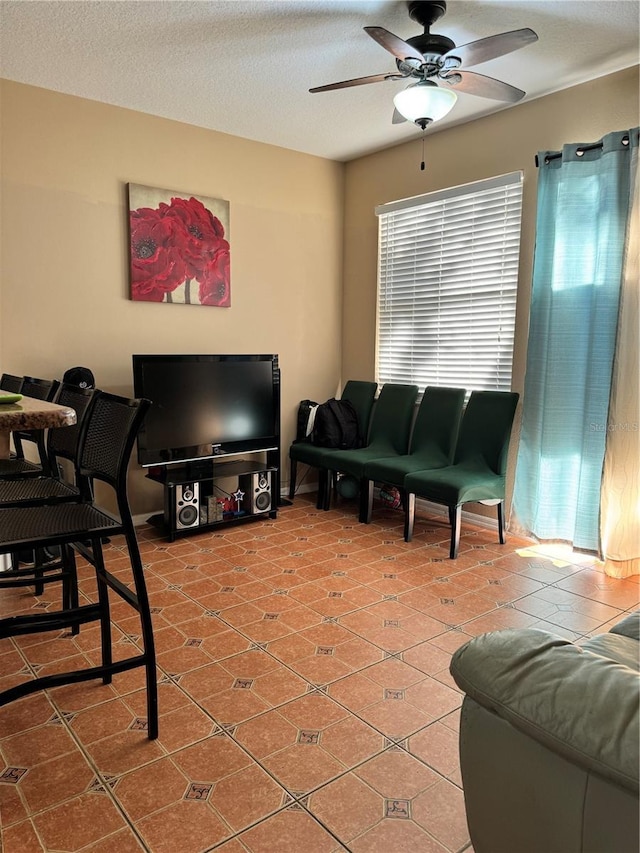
[{"x": 581, "y": 227}]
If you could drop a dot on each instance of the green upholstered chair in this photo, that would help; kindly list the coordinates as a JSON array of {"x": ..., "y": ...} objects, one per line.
[
  {"x": 479, "y": 468},
  {"x": 432, "y": 444},
  {"x": 389, "y": 433},
  {"x": 361, "y": 394}
]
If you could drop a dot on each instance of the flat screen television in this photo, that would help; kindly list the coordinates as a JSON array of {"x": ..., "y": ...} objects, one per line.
[{"x": 205, "y": 406}]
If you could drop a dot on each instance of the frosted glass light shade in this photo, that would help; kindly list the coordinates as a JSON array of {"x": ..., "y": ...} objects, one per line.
[{"x": 424, "y": 101}]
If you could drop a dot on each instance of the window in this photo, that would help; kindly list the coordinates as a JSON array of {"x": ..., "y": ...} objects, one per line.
[{"x": 447, "y": 285}]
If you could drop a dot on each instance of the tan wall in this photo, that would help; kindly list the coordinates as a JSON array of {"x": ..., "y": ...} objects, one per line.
[
  {"x": 505, "y": 142},
  {"x": 65, "y": 164}
]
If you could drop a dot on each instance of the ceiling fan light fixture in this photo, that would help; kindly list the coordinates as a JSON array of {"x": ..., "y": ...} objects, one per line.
[{"x": 424, "y": 102}]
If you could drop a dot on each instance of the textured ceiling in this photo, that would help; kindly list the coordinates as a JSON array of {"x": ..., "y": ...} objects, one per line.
[{"x": 245, "y": 68}]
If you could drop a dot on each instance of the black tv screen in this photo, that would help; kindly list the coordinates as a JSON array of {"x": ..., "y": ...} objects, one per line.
[{"x": 206, "y": 405}]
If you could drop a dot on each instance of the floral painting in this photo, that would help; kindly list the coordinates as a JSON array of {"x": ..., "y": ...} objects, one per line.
[{"x": 179, "y": 247}]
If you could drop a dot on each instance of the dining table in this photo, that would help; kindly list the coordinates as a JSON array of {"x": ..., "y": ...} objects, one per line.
[{"x": 27, "y": 414}]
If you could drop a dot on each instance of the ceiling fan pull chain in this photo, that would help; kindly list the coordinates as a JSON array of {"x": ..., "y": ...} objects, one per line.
[{"x": 422, "y": 164}]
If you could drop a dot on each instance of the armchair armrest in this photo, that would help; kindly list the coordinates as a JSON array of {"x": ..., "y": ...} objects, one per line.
[{"x": 578, "y": 704}]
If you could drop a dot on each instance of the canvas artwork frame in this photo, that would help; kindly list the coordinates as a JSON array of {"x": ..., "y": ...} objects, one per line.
[{"x": 179, "y": 247}]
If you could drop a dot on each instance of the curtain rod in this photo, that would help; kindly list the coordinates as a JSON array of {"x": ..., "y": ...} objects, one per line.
[{"x": 579, "y": 151}]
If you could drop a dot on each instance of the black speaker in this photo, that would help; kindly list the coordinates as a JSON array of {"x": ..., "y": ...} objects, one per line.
[
  {"x": 187, "y": 505},
  {"x": 257, "y": 492}
]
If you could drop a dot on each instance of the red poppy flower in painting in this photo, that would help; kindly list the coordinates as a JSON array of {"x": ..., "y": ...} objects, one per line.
[
  {"x": 176, "y": 245},
  {"x": 157, "y": 266},
  {"x": 200, "y": 232},
  {"x": 214, "y": 280}
]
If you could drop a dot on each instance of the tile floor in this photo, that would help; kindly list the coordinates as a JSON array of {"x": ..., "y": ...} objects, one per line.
[{"x": 305, "y": 698}]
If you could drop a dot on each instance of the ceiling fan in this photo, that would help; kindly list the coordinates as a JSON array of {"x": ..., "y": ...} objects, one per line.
[{"x": 435, "y": 65}]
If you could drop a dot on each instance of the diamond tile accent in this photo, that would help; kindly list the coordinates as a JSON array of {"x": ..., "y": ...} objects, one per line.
[
  {"x": 243, "y": 683},
  {"x": 308, "y": 736},
  {"x": 325, "y": 650},
  {"x": 227, "y": 589},
  {"x": 394, "y": 694},
  {"x": 397, "y": 809},
  {"x": 13, "y": 774},
  {"x": 139, "y": 724},
  {"x": 334, "y": 594},
  {"x": 295, "y": 801},
  {"x": 198, "y": 791},
  {"x": 193, "y": 642},
  {"x": 391, "y": 623}
]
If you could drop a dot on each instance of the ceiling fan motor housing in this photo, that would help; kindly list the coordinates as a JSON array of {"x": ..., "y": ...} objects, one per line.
[
  {"x": 426, "y": 12},
  {"x": 431, "y": 46}
]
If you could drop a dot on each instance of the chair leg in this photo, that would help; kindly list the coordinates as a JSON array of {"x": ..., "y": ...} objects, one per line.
[
  {"x": 366, "y": 500},
  {"x": 409, "y": 516},
  {"x": 328, "y": 478},
  {"x": 501, "y": 522},
  {"x": 332, "y": 488},
  {"x": 455, "y": 515},
  {"x": 147, "y": 632},
  {"x": 38, "y": 559},
  {"x": 70, "y": 598},
  {"x": 293, "y": 471},
  {"x": 322, "y": 486},
  {"x": 105, "y": 611}
]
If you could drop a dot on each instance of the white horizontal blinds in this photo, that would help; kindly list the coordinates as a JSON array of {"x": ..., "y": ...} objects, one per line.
[{"x": 448, "y": 275}]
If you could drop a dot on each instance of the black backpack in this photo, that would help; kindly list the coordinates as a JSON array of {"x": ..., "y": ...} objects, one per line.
[{"x": 336, "y": 425}]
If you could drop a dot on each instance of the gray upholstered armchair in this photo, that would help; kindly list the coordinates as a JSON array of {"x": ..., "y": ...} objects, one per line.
[{"x": 549, "y": 745}]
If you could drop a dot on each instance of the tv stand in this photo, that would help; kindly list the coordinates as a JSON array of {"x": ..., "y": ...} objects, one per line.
[{"x": 218, "y": 492}]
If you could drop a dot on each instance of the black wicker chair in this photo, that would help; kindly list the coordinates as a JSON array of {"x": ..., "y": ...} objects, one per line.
[
  {"x": 11, "y": 383},
  {"x": 18, "y": 465},
  {"x": 106, "y": 440},
  {"x": 43, "y": 565}
]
